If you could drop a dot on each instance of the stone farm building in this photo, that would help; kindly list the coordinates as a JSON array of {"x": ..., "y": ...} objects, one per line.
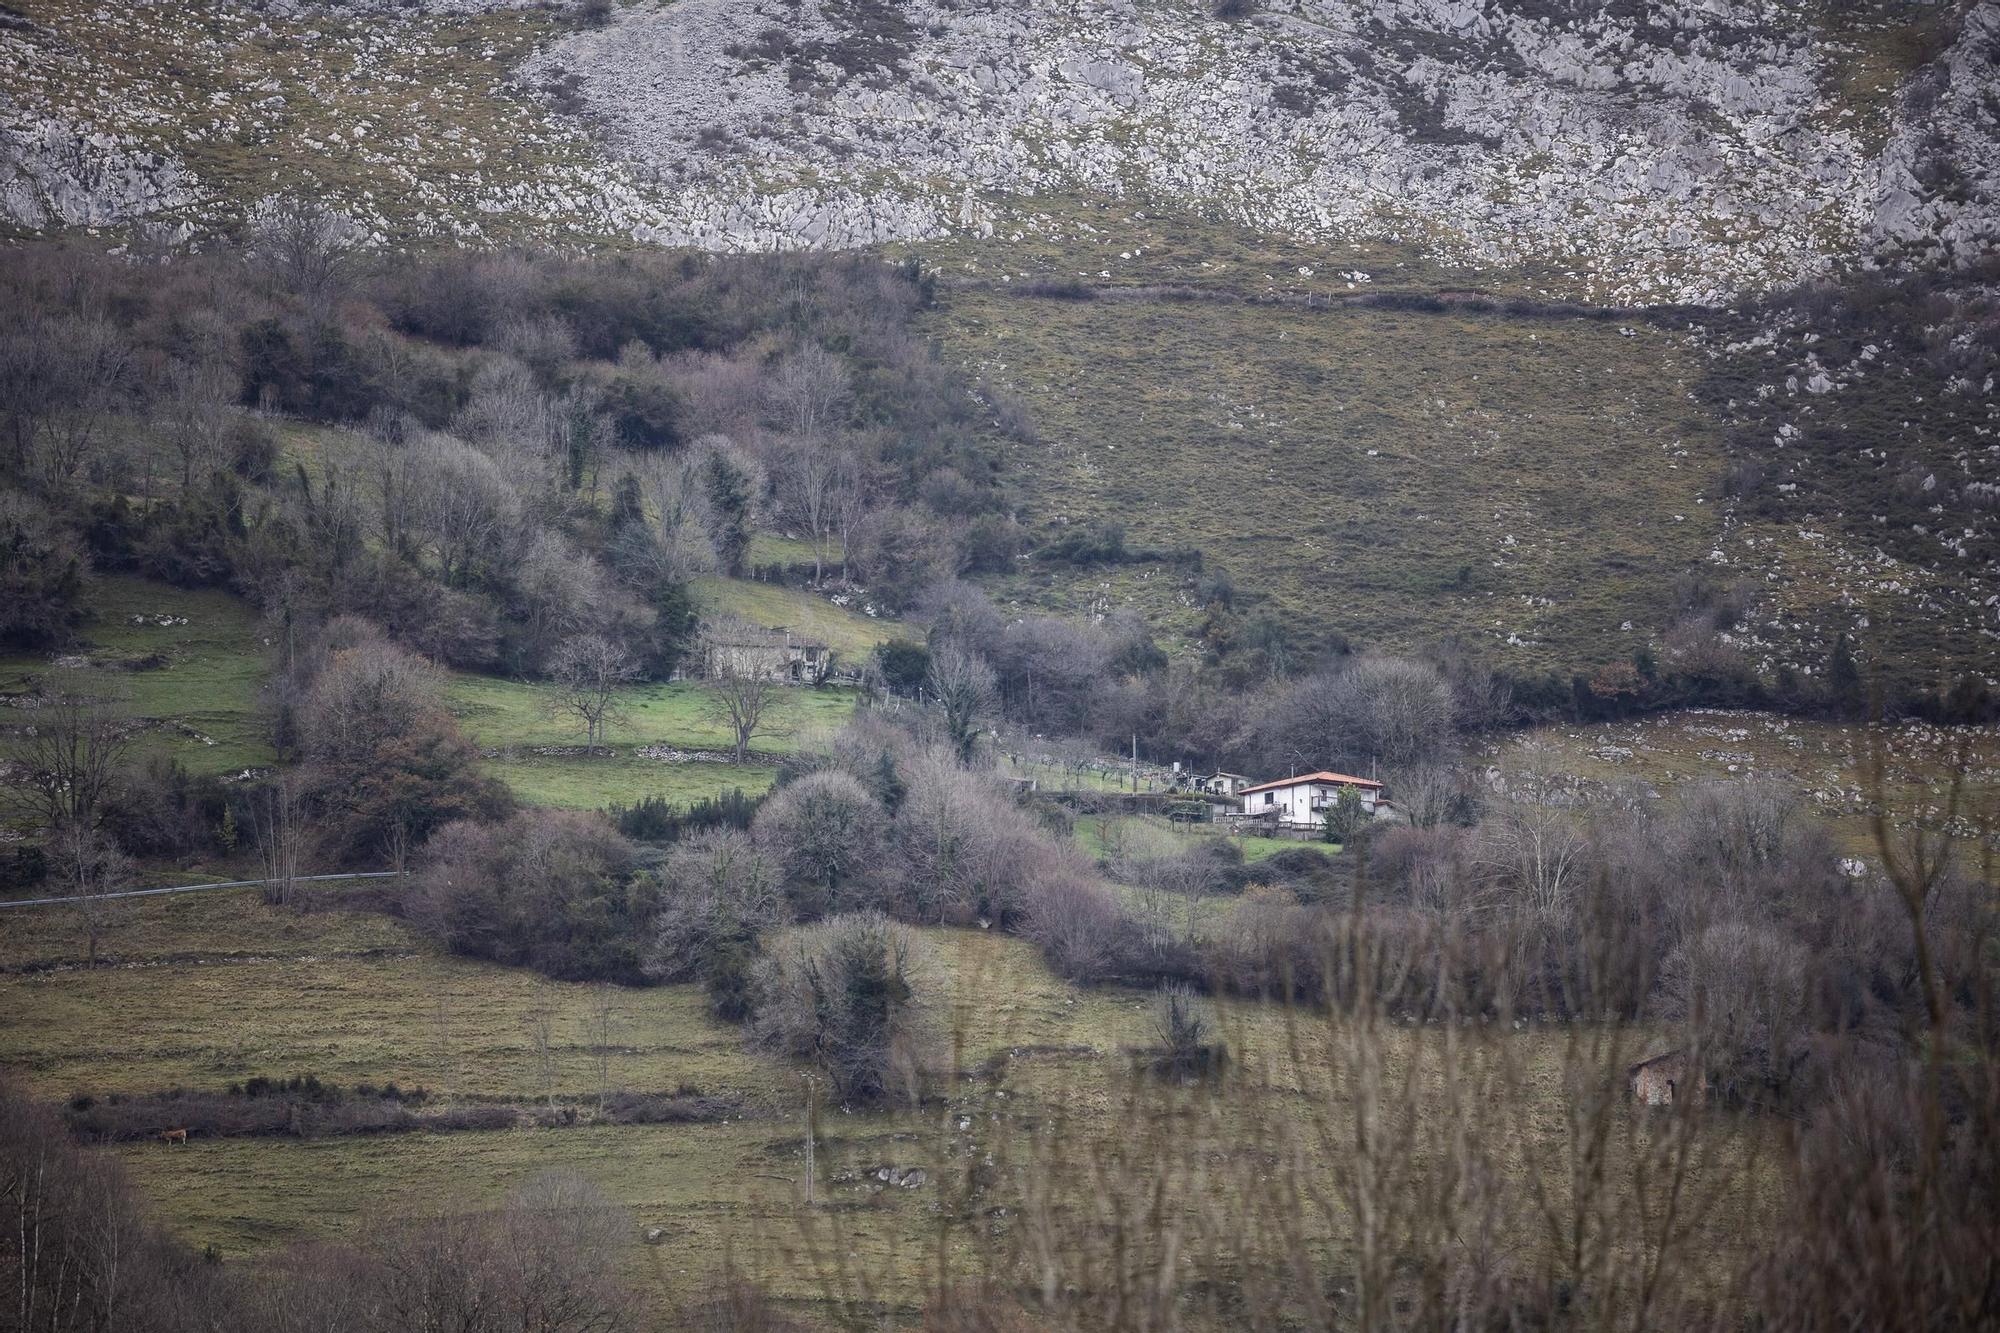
[
  {"x": 1300, "y": 803},
  {"x": 1667, "y": 1079},
  {"x": 768, "y": 655}
]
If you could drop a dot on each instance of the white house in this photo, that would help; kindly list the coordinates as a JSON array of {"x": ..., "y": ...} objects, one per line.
[
  {"x": 1223, "y": 784},
  {"x": 1301, "y": 802}
]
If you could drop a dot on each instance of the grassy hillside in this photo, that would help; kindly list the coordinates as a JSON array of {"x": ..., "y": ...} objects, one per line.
[
  {"x": 1147, "y": 836},
  {"x": 356, "y": 998},
  {"x": 537, "y": 753},
  {"x": 1828, "y": 765},
  {"x": 851, "y": 634},
  {"x": 1532, "y": 484},
  {"x": 187, "y": 666}
]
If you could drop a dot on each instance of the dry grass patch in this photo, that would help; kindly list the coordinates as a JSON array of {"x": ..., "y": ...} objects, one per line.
[{"x": 1531, "y": 483}]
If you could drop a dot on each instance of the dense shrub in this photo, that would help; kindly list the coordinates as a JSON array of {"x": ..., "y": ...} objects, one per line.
[
  {"x": 160, "y": 809},
  {"x": 300, "y": 1112},
  {"x": 825, "y": 835},
  {"x": 1185, "y": 1041},
  {"x": 655, "y": 819},
  {"x": 903, "y": 665},
  {"x": 854, "y": 996},
  {"x": 1076, "y": 922},
  {"x": 965, "y": 850},
  {"x": 718, "y": 892},
  {"x": 547, "y": 889},
  {"x": 385, "y": 763},
  {"x": 42, "y": 574}
]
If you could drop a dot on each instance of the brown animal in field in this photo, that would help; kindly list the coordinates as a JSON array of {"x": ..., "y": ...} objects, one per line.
[{"x": 173, "y": 1136}]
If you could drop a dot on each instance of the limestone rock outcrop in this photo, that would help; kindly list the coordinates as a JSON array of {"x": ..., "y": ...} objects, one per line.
[{"x": 1682, "y": 151}]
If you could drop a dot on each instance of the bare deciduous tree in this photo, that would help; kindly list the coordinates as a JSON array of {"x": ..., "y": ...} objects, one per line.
[
  {"x": 509, "y": 417},
  {"x": 545, "y": 1261},
  {"x": 1536, "y": 852},
  {"x": 679, "y": 502},
  {"x": 87, "y": 377},
  {"x": 588, "y": 671},
  {"x": 741, "y": 695},
  {"x": 810, "y": 484},
  {"x": 463, "y": 507},
  {"x": 1430, "y": 795},
  {"x": 280, "y": 836},
  {"x": 88, "y": 867},
  {"x": 197, "y": 414},
  {"x": 1189, "y": 880},
  {"x": 72, "y": 750},
  {"x": 809, "y": 389},
  {"x": 562, "y": 593},
  {"x": 963, "y": 688},
  {"x": 369, "y": 691},
  {"x": 541, "y": 1032},
  {"x": 308, "y": 249},
  {"x": 604, "y": 1016},
  {"x": 1384, "y": 709},
  {"x": 824, "y": 831}
]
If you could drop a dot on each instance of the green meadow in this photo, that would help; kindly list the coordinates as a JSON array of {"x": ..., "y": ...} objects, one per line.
[{"x": 215, "y": 988}]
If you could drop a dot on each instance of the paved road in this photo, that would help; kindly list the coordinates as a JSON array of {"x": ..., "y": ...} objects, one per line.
[{"x": 197, "y": 888}]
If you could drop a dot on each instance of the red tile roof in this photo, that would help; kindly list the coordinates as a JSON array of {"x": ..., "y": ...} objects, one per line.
[{"x": 1337, "y": 779}]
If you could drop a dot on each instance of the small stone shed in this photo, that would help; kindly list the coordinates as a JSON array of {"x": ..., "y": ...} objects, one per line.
[{"x": 1665, "y": 1079}]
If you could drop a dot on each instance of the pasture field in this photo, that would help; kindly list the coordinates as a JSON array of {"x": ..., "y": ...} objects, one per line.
[
  {"x": 498, "y": 713},
  {"x": 1149, "y": 836},
  {"x": 538, "y": 755},
  {"x": 852, "y": 635},
  {"x": 592, "y": 782},
  {"x": 186, "y": 665},
  {"x": 189, "y": 667},
  {"x": 771, "y": 548},
  {"x": 1049, "y": 1106},
  {"x": 1530, "y": 483},
  {"x": 1827, "y": 764},
  {"x": 1099, "y": 775}
]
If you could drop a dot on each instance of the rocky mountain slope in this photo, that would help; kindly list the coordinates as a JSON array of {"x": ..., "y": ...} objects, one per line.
[{"x": 1676, "y": 152}]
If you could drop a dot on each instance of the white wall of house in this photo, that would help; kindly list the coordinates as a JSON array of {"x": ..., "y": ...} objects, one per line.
[{"x": 1303, "y": 805}]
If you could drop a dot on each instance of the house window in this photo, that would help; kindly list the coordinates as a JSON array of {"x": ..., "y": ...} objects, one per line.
[{"x": 1269, "y": 797}]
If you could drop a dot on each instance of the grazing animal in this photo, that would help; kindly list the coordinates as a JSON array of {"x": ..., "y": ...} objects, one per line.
[{"x": 173, "y": 1136}]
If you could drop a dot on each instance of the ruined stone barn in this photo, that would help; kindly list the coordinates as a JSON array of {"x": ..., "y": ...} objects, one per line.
[
  {"x": 774, "y": 655},
  {"x": 1665, "y": 1079}
]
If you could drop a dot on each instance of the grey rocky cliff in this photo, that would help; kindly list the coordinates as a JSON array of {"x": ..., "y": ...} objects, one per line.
[
  {"x": 1938, "y": 181},
  {"x": 1683, "y": 155},
  {"x": 56, "y": 173},
  {"x": 1683, "y": 151}
]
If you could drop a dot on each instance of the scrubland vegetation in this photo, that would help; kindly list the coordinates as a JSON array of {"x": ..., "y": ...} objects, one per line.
[{"x": 713, "y": 1002}]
